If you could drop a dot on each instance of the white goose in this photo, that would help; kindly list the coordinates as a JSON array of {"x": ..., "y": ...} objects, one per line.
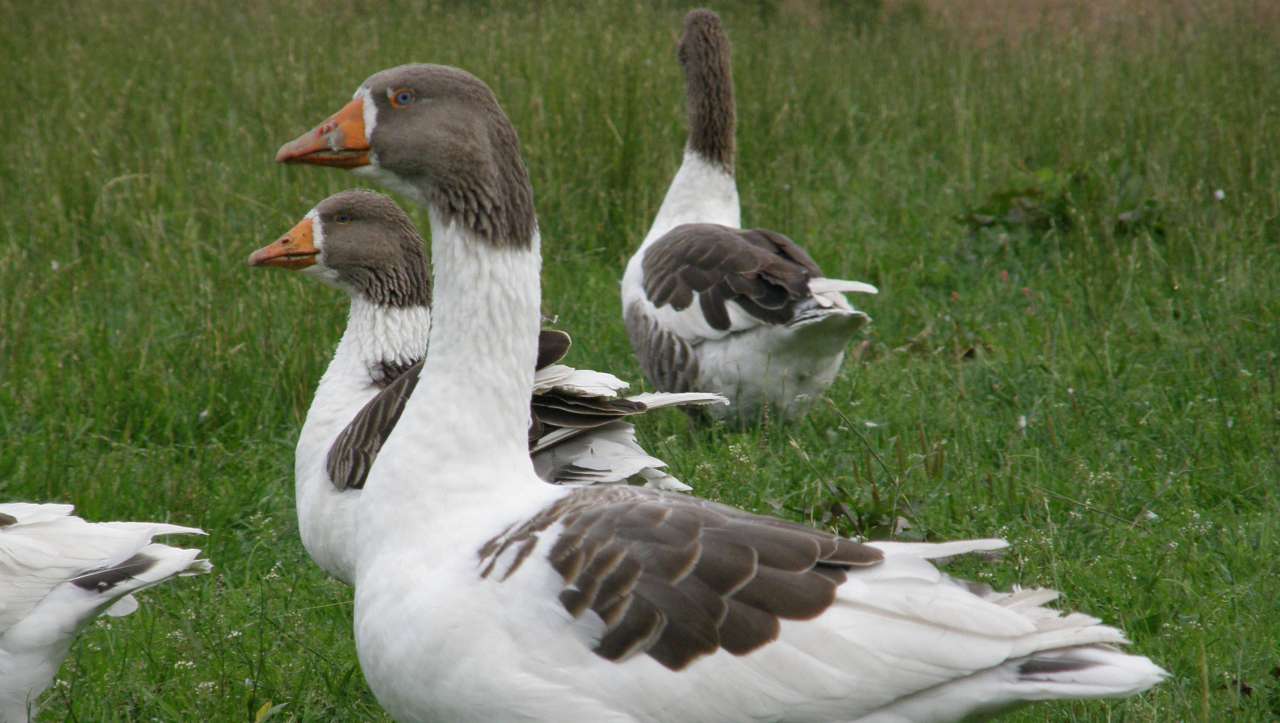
[
  {"x": 707, "y": 305},
  {"x": 483, "y": 594},
  {"x": 363, "y": 243},
  {"x": 58, "y": 572}
]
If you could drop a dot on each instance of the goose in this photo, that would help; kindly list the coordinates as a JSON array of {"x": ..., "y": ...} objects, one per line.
[
  {"x": 364, "y": 244},
  {"x": 58, "y": 572},
  {"x": 482, "y": 593},
  {"x": 708, "y": 305}
]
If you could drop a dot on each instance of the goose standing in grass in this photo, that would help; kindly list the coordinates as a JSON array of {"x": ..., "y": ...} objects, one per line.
[
  {"x": 364, "y": 244},
  {"x": 484, "y": 594},
  {"x": 58, "y": 572},
  {"x": 708, "y": 305}
]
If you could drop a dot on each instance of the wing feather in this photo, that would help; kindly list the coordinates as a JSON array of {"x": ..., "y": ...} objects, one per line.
[{"x": 678, "y": 578}]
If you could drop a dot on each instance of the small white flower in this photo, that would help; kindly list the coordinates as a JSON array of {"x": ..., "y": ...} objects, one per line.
[
  {"x": 1219, "y": 195},
  {"x": 1151, "y": 515},
  {"x": 54, "y": 266},
  {"x": 184, "y": 665}
]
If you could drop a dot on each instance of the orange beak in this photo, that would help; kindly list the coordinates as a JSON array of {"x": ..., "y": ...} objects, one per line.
[
  {"x": 295, "y": 250},
  {"x": 340, "y": 141}
]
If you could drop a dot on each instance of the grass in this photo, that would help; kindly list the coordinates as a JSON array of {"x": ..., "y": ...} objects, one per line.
[{"x": 1102, "y": 393}]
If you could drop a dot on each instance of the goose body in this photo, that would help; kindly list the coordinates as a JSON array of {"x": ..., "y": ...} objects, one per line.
[
  {"x": 364, "y": 244},
  {"x": 484, "y": 594},
  {"x": 58, "y": 572},
  {"x": 708, "y": 305}
]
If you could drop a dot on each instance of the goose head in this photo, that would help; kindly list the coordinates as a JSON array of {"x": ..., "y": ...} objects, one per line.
[
  {"x": 438, "y": 135},
  {"x": 360, "y": 242}
]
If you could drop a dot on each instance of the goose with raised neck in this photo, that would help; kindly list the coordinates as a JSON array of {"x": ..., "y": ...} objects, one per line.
[
  {"x": 746, "y": 313},
  {"x": 57, "y": 573},
  {"x": 364, "y": 244},
  {"x": 483, "y": 594}
]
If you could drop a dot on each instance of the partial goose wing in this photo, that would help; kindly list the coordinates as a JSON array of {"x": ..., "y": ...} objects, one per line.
[
  {"x": 737, "y": 278},
  {"x": 677, "y": 578},
  {"x": 577, "y": 436},
  {"x": 43, "y": 546},
  {"x": 57, "y": 572},
  {"x": 844, "y": 628},
  {"x": 705, "y": 281},
  {"x": 357, "y": 446}
]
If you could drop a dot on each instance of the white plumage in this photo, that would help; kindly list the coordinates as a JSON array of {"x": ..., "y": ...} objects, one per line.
[{"x": 58, "y": 572}]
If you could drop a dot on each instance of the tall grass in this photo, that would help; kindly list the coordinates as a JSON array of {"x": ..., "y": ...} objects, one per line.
[{"x": 1103, "y": 395}]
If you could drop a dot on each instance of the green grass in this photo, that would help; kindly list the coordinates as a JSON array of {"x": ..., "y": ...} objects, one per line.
[{"x": 146, "y": 373}]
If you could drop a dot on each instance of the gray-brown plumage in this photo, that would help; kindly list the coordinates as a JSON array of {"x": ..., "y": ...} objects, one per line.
[
  {"x": 668, "y": 362},
  {"x": 103, "y": 580},
  {"x": 432, "y": 135},
  {"x": 705, "y": 53},
  {"x": 379, "y": 254},
  {"x": 764, "y": 272},
  {"x": 677, "y": 578}
]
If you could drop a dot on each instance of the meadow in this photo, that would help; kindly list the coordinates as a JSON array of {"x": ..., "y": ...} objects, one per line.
[{"x": 1075, "y": 230}]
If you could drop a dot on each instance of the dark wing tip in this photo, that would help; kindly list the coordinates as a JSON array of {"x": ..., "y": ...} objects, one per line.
[
  {"x": 104, "y": 580},
  {"x": 1035, "y": 668},
  {"x": 553, "y": 344},
  {"x": 7, "y": 519}
]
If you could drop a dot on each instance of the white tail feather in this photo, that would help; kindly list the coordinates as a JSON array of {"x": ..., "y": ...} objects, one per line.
[
  {"x": 822, "y": 285},
  {"x": 659, "y": 400}
]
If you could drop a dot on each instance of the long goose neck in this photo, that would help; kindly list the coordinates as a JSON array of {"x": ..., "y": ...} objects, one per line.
[
  {"x": 704, "y": 189},
  {"x": 473, "y": 401},
  {"x": 709, "y": 97}
]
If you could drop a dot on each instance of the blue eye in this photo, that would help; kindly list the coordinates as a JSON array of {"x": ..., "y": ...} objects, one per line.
[{"x": 402, "y": 97}]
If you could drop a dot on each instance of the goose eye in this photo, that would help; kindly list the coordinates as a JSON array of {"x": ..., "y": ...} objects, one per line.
[
  {"x": 402, "y": 97},
  {"x": 342, "y": 218}
]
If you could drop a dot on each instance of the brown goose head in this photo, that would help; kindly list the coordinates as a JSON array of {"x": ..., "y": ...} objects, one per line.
[
  {"x": 704, "y": 53},
  {"x": 438, "y": 135},
  {"x": 361, "y": 242}
]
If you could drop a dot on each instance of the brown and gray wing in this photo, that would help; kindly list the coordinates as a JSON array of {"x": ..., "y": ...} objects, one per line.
[
  {"x": 763, "y": 272},
  {"x": 677, "y": 578},
  {"x": 353, "y": 452},
  {"x": 668, "y": 361}
]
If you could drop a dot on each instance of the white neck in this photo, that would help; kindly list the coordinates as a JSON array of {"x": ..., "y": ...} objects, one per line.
[
  {"x": 374, "y": 335},
  {"x": 377, "y": 336},
  {"x": 468, "y": 420},
  {"x": 701, "y": 192}
]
